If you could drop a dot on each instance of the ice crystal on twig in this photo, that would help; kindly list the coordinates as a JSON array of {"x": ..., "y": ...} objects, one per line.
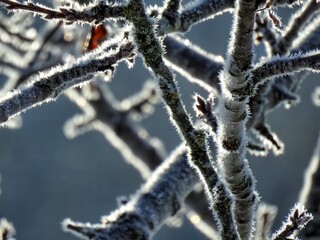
[{"x": 297, "y": 220}]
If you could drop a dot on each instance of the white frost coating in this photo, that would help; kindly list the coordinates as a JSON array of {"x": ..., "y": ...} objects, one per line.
[
  {"x": 14, "y": 123},
  {"x": 6, "y": 227},
  {"x": 65, "y": 223}
]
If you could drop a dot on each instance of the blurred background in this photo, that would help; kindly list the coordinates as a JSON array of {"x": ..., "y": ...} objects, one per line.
[{"x": 46, "y": 177}]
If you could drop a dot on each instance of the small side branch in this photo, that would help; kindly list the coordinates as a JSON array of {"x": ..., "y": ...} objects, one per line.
[
  {"x": 286, "y": 65},
  {"x": 297, "y": 220},
  {"x": 266, "y": 32}
]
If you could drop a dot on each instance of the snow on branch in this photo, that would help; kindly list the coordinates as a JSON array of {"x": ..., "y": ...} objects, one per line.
[
  {"x": 50, "y": 85},
  {"x": 240, "y": 51}
]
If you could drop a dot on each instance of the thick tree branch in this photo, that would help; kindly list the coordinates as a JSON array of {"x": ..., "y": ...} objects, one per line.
[{"x": 232, "y": 118}]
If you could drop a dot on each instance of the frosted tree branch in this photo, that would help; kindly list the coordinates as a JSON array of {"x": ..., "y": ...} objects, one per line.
[
  {"x": 49, "y": 86},
  {"x": 192, "y": 15},
  {"x": 282, "y": 89},
  {"x": 232, "y": 117},
  {"x": 97, "y": 13},
  {"x": 286, "y": 65},
  {"x": 160, "y": 198}
]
